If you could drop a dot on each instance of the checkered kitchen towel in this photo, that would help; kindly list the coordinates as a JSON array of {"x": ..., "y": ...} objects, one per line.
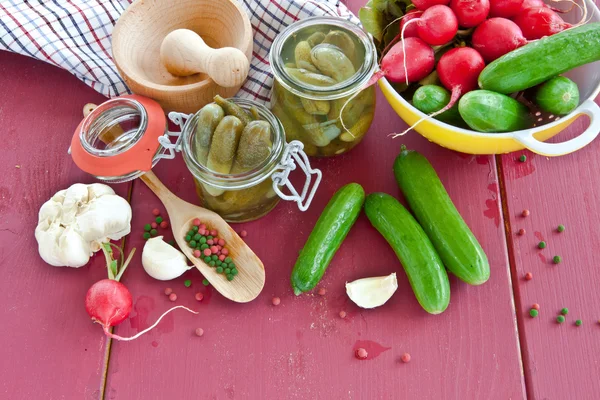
[{"x": 76, "y": 35}]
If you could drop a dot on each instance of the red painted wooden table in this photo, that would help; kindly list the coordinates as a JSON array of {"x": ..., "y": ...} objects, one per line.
[{"x": 485, "y": 346}]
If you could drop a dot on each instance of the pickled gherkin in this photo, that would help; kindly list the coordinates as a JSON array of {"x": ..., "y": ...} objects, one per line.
[
  {"x": 303, "y": 59},
  {"x": 233, "y": 109},
  {"x": 305, "y": 76},
  {"x": 208, "y": 119},
  {"x": 224, "y": 144},
  {"x": 315, "y": 39},
  {"x": 341, "y": 40},
  {"x": 254, "y": 146},
  {"x": 332, "y": 61}
]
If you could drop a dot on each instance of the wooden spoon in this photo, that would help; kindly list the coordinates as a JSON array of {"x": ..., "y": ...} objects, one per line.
[
  {"x": 184, "y": 53},
  {"x": 249, "y": 281}
]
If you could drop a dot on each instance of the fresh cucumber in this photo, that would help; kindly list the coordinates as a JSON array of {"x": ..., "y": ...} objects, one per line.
[
  {"x": 486, "y": 111},
  {"x": 458, "y": 248},
  {"x": 540, "y": 60},
  {"x": 558, "y": 96},
  {"x": 423, "y": 266},
  {"x": 431, "y": 98},
  {"x": 326, "y": 237}
]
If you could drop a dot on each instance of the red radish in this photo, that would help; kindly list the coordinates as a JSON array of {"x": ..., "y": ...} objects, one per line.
[
  {"x": 437, "y": 26},
  {"x": 535, "y": 23},
  {"x": 539, "y": 3},
  {"x": 496, "y": 37},
  {"x": 411, "y": 31},
  {"x": 505, "y": 8},
  {"x": 425, "y": 4},
  {"x": 419, "y": 62},
  {"x": 458, "y": 70},
  {"x": 108, "y": 302},
  {"x": 470, "y": 13}
]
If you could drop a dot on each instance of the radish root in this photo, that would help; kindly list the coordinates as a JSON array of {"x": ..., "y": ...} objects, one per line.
[
  {"x": 117, "y": 337},
  {"x": 404, "y": 47}
]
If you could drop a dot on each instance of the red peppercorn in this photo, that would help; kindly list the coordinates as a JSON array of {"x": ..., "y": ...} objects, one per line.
[
  {"x": 521, "y": 232},
  {"x": 221, "y": 242},
  {"x": 225, "y": 251},
  {"x": 536, "y": 306},
  {"x": 342, "y": 314},
  {"x": 276, "y": 301},
  {"x": 214, "y": 233},
  {"x": 196, "y": 222},
  {"x": 243, "y": 234},
  {"x": 405, "y": 358},
  {"x": 156, "y": 212},
  {"x": 528, "y": 276},
  {"x": 525, "y": 213},
  {"x": 199, "y": 332},
  {"x": 219, "y": 247},
  {"x": 168, "y": 291},
  {"x": 207, "y": 252},
  {"x": 202, "y": 226},
  {"x": 199, "y": 296},
  {"x": 164, "y": 224},
  {"x": 197, "y": 253},
  {"x": 202, "y": 232},
  {"x": 322, "y": 291},
  {"x": 173, "y": 297},
  {"x": 222, "y": 257},
  {"x": 154, "y": 225},
  {"x": 214, "y": 249},
  {"x": 361, "y": 354},
  {"x": 210, "y": 242}
]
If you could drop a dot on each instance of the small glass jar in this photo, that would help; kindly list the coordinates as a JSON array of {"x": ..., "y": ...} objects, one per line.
[
  {"x": 238, "y": 197},
  {"x": 322, "y": 67}
]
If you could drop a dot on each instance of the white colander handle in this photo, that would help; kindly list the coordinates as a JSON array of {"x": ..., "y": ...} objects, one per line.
[{"x": 591, "y": 109}]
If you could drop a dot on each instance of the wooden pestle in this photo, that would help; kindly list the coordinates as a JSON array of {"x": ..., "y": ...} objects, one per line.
[{"x": 184, "y": 53}]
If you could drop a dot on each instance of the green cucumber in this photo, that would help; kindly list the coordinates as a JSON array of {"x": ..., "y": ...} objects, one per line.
[
  {"x": 486, "y": 111},
  {"x": 326, "y": 237},
  {"x": 458, "y": 248},
  {"x": 431, "y": 98},
  {"x": 558, "y": 96},
  {"x": 540, "y": 60},
  {"x": 423, "y": 266}
]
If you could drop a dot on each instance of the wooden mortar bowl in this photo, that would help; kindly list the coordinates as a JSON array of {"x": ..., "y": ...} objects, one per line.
[{"x": 141, "y": 29}]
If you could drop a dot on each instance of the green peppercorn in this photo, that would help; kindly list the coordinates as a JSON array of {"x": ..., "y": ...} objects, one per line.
[
  {"x": 219, "y": 262},
  {"x": 228, "y": 260},
  {"x": 202, "y": 240},
  {"x": 219, "y": 270},
  {"x": 171, "y": 242},
  {"x": 188, "y": 238},
  {"x": 146, "y": 235},
  {"x": 542, "y": 245},
  {"x": 204, "y": 246},
  {"x": 192, "y": 243},
  {"x": 197, "y": 237},
  {"x": 560, "y": 228},
  {"x": 205, "y": 282},
  {"x": 227, "y": 270},
  {"x": 560, "y": 319},
  {"x": 191, "y": 232},
  {"x": 187, "y": 283},
  {"x": 153, "y": 232},
  {"x": 533, "y": 313},
  {"x": 556, "y": 259},
  {"x": 229, "y": 277},
  {"x": 231, "y": 265},
  {"x": 147, "y": 227},
  {"x": 209, "y": 237},
  {"x": 234, "y": 271},
  {"x": 159, "y": 220},
  {"x": 211, "y": 263},
  {"x": 564, "y": 311},
  {"x": 214, "y": 257},
  {"x": 523, "y": 158},
  {"x": 578, "y": 322},
  {"x": 207, "y": 259},
  {"x": 195, "y": 228}
]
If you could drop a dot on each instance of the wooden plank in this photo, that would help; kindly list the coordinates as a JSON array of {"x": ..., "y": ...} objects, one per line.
[
  {"x": 50, "y": 347},
  {"x": 560, "y": 360}
]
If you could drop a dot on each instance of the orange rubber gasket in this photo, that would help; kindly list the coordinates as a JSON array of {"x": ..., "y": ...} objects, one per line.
[{"x": 137, "y": 158}]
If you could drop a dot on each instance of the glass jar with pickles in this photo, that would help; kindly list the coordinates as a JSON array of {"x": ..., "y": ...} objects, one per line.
[
  {"x": 321, "y": 67},
  {"x": 234, "y": 149}
]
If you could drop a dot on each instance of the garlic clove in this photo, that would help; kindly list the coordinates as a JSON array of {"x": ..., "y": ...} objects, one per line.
[
  {"x": 163, "y": 261},
  {"x": 372, "y": 292}
]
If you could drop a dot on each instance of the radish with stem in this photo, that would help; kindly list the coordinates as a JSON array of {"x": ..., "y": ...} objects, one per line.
[
  {"x": 108, "y": 302},
  {"x": 497, "y": 36}
]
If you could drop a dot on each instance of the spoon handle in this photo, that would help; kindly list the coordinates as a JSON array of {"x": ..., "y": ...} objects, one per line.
[{"x": 165, "y": 195}]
